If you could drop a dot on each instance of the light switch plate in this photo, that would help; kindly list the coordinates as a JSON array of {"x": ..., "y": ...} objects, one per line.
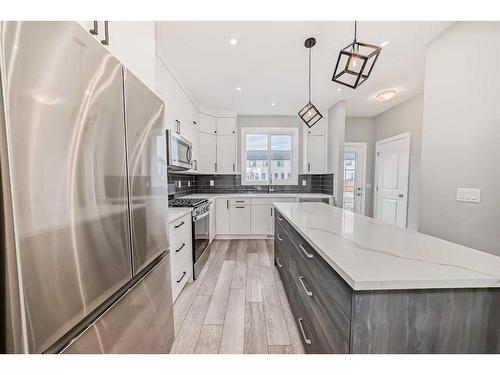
[
  {"x": 471, "y": 195},
  {"x": 211, "y": 182},
  {"x": 304, "y": 182}
]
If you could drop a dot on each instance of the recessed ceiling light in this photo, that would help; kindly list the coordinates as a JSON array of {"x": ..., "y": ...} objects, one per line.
[
  {"x": 383, "y": 44},
  {"x": 233, "y": 41},
  {"x": 339, "y": 89},
  {"x": 238, "y": 88},
  {"x": 273, "y": 104},
  {"x": 385, "y": 95}
]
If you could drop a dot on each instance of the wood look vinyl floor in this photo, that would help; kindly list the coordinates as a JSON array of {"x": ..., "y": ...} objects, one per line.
[{"x": 237, "y": 304}]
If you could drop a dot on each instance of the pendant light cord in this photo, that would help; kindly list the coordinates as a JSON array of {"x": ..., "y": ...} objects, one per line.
[{"x": 310, "y": 75}]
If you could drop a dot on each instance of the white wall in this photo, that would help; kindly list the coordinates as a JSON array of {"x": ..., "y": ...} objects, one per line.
[
  {"x": 335, "y": 152},
  {"x": 405, "y": 117},
  {"x": 461, "y": 135},
  {"x": 361, "y": 129}
]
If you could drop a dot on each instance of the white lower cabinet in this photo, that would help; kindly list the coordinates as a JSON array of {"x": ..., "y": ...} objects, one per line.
[
  {"x": 239, "y": 214},
  {"x": 262, "y": 217},
  {"x": 181, "y": 253},
  {"x": 246, "y": 216},
  {"x": 222, "y": 216}
]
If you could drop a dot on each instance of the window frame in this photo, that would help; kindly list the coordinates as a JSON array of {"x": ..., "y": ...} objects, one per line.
[{"x": 269, "y": 131}]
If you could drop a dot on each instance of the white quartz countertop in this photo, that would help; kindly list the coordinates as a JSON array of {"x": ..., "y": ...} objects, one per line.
[
  {"x": 175, "y": 213},
  {"x": 371, "y": 255},
  {"x": 259, "y": 195}
]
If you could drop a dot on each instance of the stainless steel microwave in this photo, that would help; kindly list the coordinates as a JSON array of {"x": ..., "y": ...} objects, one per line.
[{"x": 179, "y": 152}]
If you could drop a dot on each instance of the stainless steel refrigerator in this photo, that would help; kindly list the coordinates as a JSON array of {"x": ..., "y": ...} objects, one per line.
[{"x": 84, "y": 229}]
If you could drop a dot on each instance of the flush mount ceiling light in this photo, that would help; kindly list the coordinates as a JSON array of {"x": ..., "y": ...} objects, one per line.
[
  {"x": 310, "y": 114},
  {"x": 385, "y": 95},
  {"x": 355, "y": 62},
  {"x": 233, "y": 41},
  {"x": 238, "y": 88}
]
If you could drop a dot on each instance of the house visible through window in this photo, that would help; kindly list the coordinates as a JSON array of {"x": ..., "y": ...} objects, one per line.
[{"x": 269, "y": 153}]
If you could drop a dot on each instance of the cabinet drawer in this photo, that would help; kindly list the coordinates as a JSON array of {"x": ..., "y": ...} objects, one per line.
[
  {"x": 239, "y": 201},
  {"x": 181, "y": 273},
  {"x": 330, "y": 322},
  {"x": 331, "y": 286},
  {"x": 180, "y": 229},
  {"x": 182, "y": 252}
]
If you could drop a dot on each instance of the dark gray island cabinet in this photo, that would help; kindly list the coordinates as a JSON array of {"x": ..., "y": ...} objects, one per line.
[{"x": 333, "y": 316}]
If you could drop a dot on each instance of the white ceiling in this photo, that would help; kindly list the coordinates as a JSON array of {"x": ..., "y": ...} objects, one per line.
[{"x": 269, "y": 63}]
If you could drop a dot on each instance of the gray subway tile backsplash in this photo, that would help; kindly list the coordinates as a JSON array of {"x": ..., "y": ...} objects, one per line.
[{"x": 190, "y": 184}]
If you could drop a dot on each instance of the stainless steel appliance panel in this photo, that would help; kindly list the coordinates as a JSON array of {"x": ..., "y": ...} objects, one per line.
[
  {"x": 66, "y": 143},
  {"x": 140, "y": 322},
  {"x": 147, "y": 165},
  {"x": 201, "y": 227}
]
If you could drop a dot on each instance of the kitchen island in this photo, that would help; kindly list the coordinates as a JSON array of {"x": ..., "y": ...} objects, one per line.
[{"x": 356, "y": 285}]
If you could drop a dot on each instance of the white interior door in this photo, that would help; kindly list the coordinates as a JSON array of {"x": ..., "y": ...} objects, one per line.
[
  {"x": 354, "y": 177},
  {"x": 391, "y": 178}
]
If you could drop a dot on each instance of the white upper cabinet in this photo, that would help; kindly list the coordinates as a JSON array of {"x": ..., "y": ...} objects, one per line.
[
  {"x": 208, "y": 124},
  {"x": 131, "y": 42},
  {"x": 207, "y": 153},
  {"x": 226, "y": 154},
  {"x": 226, "y": 126},
  {"x": 318, "y": 128},
  {"x": 316, "y": 154}
]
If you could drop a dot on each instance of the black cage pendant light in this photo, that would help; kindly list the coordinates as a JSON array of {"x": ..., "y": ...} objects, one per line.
[
  {"x": 310, "y": 114},
  {"x": 355, "y": 62}
]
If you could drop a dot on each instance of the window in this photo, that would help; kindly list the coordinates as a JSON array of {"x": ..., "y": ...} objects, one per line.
[{"x": 269, "y": 153}]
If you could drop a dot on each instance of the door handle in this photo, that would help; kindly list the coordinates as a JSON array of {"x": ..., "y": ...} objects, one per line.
[
  {"x": 183, "y": 274},
  {"x": 105, "y": 41},
  {"x": 306, "y": 340},
  {"x": 180, "y": 248},
  {"x": 278, "y": 263},
  {"x": 308, "y": 255},
  {"x": 279, "y": 237},
  {"x": 95, "y": 30},
  {"x": 227, "y": 204},
  {"x": 271, "y": 212},
  {"x": 215, "y": 166},
  {"x": 400, "y": 195},
  {"x": 301, "y": 279},
  {"x": 233, "y": 167},
  {"x": 309, "y": 167},
  {"x": 279, "y": 218}
]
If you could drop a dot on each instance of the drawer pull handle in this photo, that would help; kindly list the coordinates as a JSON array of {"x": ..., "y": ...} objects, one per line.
[
  {"x": 179, "y": 225},
  {"x": 278, "y": 263},
  {"x": 279, "y": 217},
  {"x": 308, "y": 255},
  {"x": 301, "y": 279},
  {"x": 279, "y": 237},
  {"x": 306, "y": 340},
  {"x": 183, "y": 274},
  {"x": 180, "y": 248}
]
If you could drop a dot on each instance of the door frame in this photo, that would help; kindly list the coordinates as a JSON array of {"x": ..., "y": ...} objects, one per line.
[
  {"x": 364, "y": 147},
  {"x": 407, "y": 136}
]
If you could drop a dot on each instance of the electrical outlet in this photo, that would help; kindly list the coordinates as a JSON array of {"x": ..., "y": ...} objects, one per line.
[
  {"x": 212, "y": 183},
  {"x": 179, "y": 183},
  {"x": 469, "y": 195},
  {"x": 189, "y": 183},
  {"x": 304, "y": 182}
]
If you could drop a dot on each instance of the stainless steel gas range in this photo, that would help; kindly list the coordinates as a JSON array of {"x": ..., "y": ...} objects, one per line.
[{"x": 200, "y": 229}]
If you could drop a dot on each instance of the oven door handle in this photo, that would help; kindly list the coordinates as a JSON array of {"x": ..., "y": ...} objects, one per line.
[{"x": 196, "y": 218}]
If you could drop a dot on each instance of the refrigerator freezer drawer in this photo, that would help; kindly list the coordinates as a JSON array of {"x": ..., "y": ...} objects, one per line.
[{"x": 140, "y": 322}]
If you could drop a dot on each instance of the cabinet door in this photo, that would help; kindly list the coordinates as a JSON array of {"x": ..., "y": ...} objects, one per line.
[
  {"x": 207, "y": 124},
  {"x": 226, "y": 126},
  {"x": 318, "y": 128},
  {"x": 262, "y": 219},
  {"x": 133, "y": 43},
  {"x": 315, "y": 154},
  {"x": 195, "y": 138},
  {"x": 211, "y": 229},
  {"x": 226, "y": 154},
  {"x": 222, "y": 216},
  {"x": 207, "y": 153},
  {"x": 240, "y": 219}
]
